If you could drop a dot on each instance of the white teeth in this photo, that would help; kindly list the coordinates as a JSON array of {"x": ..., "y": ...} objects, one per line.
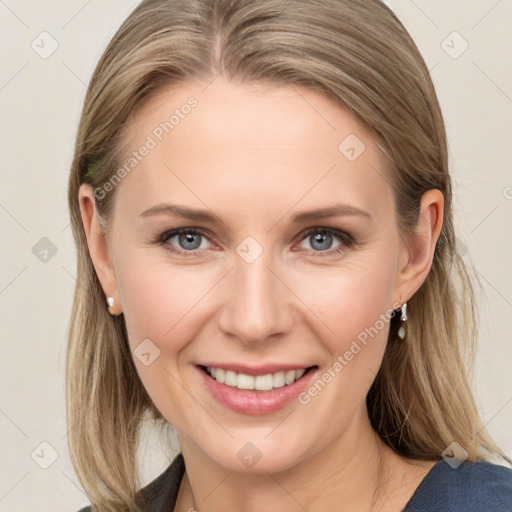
[
  {"x": 278, "y": 380},
  {"x": 299, "y": 373},
  {"x": 265, "y": 382},
  {"x": 245, "y": 381},
  {"x": 289, "y": 376},
  {"x": 220, "y": 375},
  {"x": 230, "y": 379}
]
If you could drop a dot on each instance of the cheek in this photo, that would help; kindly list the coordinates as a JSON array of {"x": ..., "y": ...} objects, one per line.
[
  {"x": 350, "y": 313},
  {"x": 353, "y": 303},
  {"x": 160, "y": 301},
  {"x": 166, "y": 305}
]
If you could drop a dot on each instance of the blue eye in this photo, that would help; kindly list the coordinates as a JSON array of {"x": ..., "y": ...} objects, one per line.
[
  {"x": 189, "y": 242},
  {"x": 184, "y": 241},
  {"x": 322, "y": 239}
]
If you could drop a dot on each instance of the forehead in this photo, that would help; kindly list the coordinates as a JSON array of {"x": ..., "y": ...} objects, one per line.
[
  {"x": 263, "y": 142},
  {"x": 225, "y": 113}
]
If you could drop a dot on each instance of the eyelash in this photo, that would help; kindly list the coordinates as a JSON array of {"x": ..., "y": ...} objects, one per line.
[{"x": 347, "y": 241}]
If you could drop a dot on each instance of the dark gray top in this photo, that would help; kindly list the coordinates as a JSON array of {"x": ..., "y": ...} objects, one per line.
[{"x": 472, "y": 487}]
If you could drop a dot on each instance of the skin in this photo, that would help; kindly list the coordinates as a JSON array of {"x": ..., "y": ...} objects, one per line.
[{"x": 254, "y": 156}]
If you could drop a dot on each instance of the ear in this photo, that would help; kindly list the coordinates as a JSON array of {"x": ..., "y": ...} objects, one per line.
[
  {"x": 419, "y": 253},
  {"x": 98, "y": 246}
]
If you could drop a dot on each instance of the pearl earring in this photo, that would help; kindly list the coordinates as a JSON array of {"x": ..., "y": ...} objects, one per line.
[
  {"x": 110, "y": 301},
  {"x": 403, "y": 318}
]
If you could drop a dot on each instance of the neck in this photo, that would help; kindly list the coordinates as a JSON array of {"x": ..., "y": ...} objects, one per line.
[{"x": 352, "y": 473}]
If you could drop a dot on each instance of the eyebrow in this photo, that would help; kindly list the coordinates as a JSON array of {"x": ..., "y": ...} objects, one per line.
[{"x": 205, "y": 216}]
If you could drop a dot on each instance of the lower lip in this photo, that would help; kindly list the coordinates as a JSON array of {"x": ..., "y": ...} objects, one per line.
[{"x": 256, "y": 403}]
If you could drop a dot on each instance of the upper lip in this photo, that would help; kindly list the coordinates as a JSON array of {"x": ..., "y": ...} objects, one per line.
[{"x": 257, "y": 370}]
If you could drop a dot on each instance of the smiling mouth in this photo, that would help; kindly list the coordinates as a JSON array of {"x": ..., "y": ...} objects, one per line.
[{"x": 266, "y": 382}]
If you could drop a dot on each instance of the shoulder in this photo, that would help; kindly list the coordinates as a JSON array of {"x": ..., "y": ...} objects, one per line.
[
  {"x": 473, "y": 487},
  {"x": 161, "y": 493}
]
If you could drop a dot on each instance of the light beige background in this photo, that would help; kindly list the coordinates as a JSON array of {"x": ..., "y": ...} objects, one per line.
[{"x": 40, "y": 102}]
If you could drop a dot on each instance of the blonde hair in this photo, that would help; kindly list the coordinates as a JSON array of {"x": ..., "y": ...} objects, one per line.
[{"x": 358, "y": 54}]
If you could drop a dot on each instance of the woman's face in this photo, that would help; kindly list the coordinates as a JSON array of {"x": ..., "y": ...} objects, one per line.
[{"x": 289, "y": 258}]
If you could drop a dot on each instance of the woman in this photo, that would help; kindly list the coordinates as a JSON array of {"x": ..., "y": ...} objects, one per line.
[{"x": 261, "y": 203}]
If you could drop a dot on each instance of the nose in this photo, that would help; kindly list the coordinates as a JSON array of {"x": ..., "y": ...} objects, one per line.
[{"x": 257, "y": 306}]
